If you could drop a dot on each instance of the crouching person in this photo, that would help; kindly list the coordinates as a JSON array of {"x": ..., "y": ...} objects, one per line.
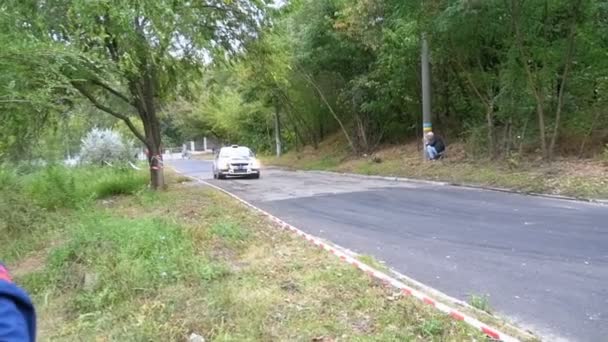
[{"x": 435, "y": 147}]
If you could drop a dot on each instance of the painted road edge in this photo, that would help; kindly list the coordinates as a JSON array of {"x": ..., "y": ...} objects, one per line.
[{"x": 372, "y": 272}]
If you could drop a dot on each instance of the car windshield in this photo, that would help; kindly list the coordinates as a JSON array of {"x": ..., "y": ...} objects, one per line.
[{"x": 238, "y": 152}]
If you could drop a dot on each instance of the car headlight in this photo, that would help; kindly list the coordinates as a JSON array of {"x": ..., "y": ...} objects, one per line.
[
  {"x": 223, "y": 165},
  {"x": 255, "y": 164}
]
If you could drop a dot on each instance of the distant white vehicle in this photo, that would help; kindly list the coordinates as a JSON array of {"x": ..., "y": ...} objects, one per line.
[{"x": 236, "y": 161}]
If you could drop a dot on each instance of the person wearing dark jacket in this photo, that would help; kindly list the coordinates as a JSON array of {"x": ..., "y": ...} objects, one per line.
[
  {"x": 17, "y": 315},
  {"x": 435, "y": 147}
]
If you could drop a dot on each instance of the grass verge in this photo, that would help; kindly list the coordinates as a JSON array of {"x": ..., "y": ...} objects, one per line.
[{"x": 158, "y": 266}]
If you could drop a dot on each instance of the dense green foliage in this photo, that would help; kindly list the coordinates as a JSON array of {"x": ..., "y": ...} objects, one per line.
[
  {"x": 508, "y": 76},
  {"x": 125, "y": 58}
]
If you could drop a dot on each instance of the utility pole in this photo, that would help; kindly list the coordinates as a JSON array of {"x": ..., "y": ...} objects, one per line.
[
  {"x": 427, "y": 125},
  {"x": 277, "y": 130}
]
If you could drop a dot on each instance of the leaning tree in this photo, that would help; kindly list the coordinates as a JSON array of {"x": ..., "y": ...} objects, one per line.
[{"x": 128, "y": 57}]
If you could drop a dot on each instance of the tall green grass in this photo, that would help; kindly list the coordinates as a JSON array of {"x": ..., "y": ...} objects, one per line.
[
  {"x": 53, "y": 187},
  {"x": 56, "y": 187},
  {"x": 124, "y": 182},
  {"x": 34, "y": 200},
  {"x": 110, "y": 260}
]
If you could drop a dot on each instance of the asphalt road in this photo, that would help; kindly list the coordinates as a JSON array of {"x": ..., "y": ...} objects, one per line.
[{"x": 542, "y": 262}]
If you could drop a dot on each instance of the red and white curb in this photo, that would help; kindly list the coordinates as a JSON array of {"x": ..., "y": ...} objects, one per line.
[{"x": 380, "y": 276}]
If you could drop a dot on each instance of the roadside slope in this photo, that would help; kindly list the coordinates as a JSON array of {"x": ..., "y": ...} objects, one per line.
[{"x": 567, "y": 177}]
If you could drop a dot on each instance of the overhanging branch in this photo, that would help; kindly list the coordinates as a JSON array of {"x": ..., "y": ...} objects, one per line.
[
  {"x": 112, "y": 90},
  {"x": 108, "y": 110}
]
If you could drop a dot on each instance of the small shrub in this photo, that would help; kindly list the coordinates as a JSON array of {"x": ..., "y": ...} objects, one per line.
[
  {"x": 8, "y": 179},
  {"x": 373, "y": 262},
  {"x": 431, "y": 328},
  {"x": 23, "y": 222},
  {"x": 103, "y": 146},
  {"x": 53, "y": 187},
  {"x": 480, "y": 302},
  {"x": 120, "y": 183},
  {"x": 18, "y": 215},
  {"x": 476, "y": 141},
  {"x": 183, "y": 179}
]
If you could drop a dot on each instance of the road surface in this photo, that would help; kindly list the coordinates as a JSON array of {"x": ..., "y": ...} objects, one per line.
[{"x": 542, "y": 262}]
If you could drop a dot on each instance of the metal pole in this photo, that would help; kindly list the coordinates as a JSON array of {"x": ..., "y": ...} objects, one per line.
[
  {"x": 427, "y": 125},
  {"x": 277, "y": 131}
]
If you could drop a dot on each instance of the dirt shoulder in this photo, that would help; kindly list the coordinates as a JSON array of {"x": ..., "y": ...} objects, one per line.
[{"x": 585, "y": 179}]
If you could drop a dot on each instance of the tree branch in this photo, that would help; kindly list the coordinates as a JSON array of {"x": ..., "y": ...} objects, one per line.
[
  {"x": 108, "y": 110},
  {"x": 309, "y": 79},
  {"x": 113, "y": 91},
  {"x": 472, "y": 83}
]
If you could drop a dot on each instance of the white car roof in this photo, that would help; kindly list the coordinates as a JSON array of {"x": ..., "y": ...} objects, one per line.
[{"x": 238, "y": 150}]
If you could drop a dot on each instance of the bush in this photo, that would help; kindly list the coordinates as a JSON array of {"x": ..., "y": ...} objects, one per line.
[
  {"x": 103, "y": 146},
  {"x": 61, "y": 187},
  {"x": 8, "y": 178},
  {"x": 120, "y": 182},
  {"x": 53, "y": 187},
  {"x": 476, "y": 141},
  {"x": 18, "y": 215},
  {"x": 22, "y": 221}
]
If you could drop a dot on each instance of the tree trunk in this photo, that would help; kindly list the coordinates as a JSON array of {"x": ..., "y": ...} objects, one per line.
[
  {"x": 142, "y": 89},
  {"x": 589, "y": 133},
  {"x": 488, "y": 101},
  {"x": 540, "y": 112},
  {"x": 508, "y": 137},
  {"x": 155, "y": 160},
  {"x": 564, "y": 78},
  {"x": 520, "y": 149},
  {"x": 296, "y": 121},
  {"x": 277, "y": 131},
  {"x": 362, "y": 133},
  {"x": 331, "y": 110},
  {"x": 153, "y": 142},
  {"x": 297, "y": 137},
  {"x": 490, "y": 122},
  {"x": 534, "y": 88}
]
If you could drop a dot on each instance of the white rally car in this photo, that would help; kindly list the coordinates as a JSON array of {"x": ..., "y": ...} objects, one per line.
[{"x": 235, "y": 161}]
